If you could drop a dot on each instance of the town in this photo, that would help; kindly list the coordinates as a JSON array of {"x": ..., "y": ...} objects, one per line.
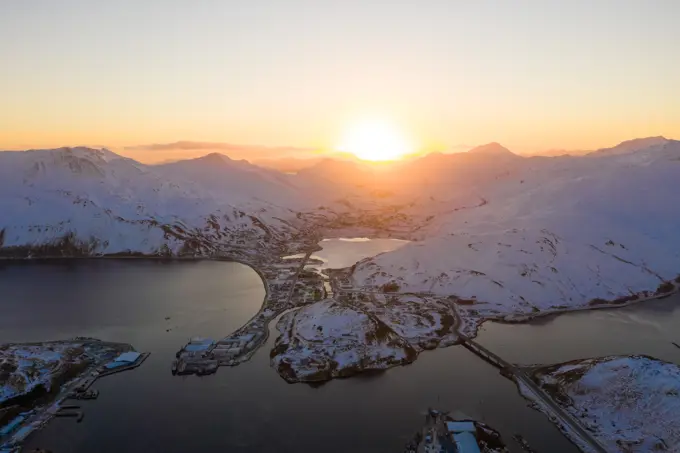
[{"x": 288, "y": 284}]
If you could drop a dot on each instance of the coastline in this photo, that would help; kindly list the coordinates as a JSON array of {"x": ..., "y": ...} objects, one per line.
[
  {"x": 246, "y": 355},
  {"x": 39, "y": 416}
]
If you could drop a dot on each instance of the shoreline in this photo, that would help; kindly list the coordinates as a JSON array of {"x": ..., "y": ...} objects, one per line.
[
  {"x": 521, "y": 319},
  {"x": 265, "y": 330},
  {"x": 528, "y": 318},
  {"x": 243, "y": 343},
  {"x": 40, "y": 415},
  {"x": 505, "y": 319}
]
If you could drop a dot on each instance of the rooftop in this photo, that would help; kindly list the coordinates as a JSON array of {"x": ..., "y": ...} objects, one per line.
[
  {"x": 466, "y": 442},
  {"x": 128, "y": 357}
]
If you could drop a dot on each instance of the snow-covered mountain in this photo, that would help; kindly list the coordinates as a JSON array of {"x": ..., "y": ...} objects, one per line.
[
  {"x": 631, "y": 146},
  {"x": 511, "y": 235},
  {"x": 233, "y": 180},
  {"x": 555, "y": 233},
  {"x": 90, "y": 201},
  {"x": 492, "y": 149}
]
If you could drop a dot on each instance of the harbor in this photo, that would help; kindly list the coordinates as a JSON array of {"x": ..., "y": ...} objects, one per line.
[
  {"x": 13, "y": 434},
  {"x": 442, "y": 433}
]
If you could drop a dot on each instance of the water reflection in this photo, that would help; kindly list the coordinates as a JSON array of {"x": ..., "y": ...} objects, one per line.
[
  {"x": 646, "y": 328},
  {"x": 249, "y": 408}
]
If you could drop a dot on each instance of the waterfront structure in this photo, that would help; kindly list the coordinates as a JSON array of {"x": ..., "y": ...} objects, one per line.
[
  {"x": 466, "y": 442},
  {"x": 124, "y": 359}
]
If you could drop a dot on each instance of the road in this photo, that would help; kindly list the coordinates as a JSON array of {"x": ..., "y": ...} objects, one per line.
[
  {"x": 520, "y": 375},
  {"x": 563, "y": 417},
  {"x": 297, "y": 274},
  {"x": 247, "y": 354}
]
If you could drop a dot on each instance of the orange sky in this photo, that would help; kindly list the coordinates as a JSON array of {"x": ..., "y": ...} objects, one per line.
[{"x": 298, "y": 74}]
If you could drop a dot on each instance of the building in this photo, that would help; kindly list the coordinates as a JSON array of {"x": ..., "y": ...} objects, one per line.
[
  {"x": 126, "y": 358},
  {"x": 198, "y": 344},
  {"x": 466, "y": 442},
  {"x": 345, "y": 283},
  {"x": 461, "y": 427}
]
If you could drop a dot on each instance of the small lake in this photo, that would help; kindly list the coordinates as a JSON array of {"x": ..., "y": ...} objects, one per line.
[
  {"x": 344, "y": 252},
  {"x": 248, "y": 408}
]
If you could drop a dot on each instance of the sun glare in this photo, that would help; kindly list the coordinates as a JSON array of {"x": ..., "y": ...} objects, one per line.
[{"x": 375, "y": 140}]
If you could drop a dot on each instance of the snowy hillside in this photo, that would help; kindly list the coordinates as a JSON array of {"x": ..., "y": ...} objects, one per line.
[
  {"x": 87, "y": 201},
  {"x": 510, "y": 236},
  {"x": 236, "y": 181},
  {"x": 556, "y": 233},
  {"x": 630, "y": 404},
  {"x": 329, "y": 339}
]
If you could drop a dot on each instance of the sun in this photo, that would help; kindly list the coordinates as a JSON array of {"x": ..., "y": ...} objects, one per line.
[{"x": 375, "y": 140}]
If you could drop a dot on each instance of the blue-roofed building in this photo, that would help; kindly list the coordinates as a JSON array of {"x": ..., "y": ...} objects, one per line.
[
  {"x": 115, "y": 364},
  {"x": 198, "y": 345},
  {"x": 8, "y": 428},
  {"x": 466, "y": 442},
  {"x": 126, "y": 358},
  {"x": 23, "y": 433},
  {"x": 461, "y": 427}
]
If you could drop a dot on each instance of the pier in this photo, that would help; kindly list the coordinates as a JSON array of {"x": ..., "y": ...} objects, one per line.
[{"x": 11, "y": 437}]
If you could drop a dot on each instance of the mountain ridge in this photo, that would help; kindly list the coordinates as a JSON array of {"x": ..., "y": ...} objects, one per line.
[{"x": 483, "y": 225}]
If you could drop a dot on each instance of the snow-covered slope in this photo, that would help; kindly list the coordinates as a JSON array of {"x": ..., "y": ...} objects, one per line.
[
  {"x": 329, "y": 339},
  {"x": 23, "y": 367},
  {"x": 630, "y": 404},
  {"x": 236, "y": 181},
  {"x": 88, "y": 201},
  {"x": 510, "y": 235},
  {"x": 556, "y": 233}
]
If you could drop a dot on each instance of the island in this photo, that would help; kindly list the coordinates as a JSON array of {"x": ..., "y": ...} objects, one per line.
[
  {"x": 628, "y": 403},
  {"x": 356, "y": 332}
]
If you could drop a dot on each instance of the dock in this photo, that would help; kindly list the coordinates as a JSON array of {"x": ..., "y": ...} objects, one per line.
[
  {"x": 12, "y": 435},
  {"x": 129, "y": 366}
]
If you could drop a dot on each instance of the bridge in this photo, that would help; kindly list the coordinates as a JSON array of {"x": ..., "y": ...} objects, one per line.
[
  {"x": 509, "y": 370},
  {"x": 485, "y": 354}
]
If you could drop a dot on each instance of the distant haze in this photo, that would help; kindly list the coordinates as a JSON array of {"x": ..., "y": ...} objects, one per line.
[{"x": 286, "y": 79}]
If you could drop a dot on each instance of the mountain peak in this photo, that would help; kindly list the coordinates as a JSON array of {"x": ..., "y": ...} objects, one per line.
[
  {"x": 215, "y": 157},
  {"x": 642, "y": 142},
  {"x": 211, "y": 159},
  {"x": 492, "y": 149},
  {"x": 79, "y": 152},
  {"x": 632, "y": 146}
]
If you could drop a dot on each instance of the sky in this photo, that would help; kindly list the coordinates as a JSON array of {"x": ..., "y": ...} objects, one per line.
[{"x": 270, "y": 75}]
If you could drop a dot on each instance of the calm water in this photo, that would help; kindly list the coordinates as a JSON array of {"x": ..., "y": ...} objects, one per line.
[
  {"x": 249, "y": 408},
  {"x": 344, "y": 252}
]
